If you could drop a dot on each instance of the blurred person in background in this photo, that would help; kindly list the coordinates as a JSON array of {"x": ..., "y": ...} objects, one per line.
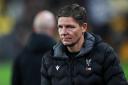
[
  {"x": 26, "y": 68},
  {"x": 80, "y": 58},
  {"x": 21, "y": 13}
]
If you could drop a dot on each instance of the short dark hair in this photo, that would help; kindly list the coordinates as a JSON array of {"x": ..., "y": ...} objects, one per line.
[{"x": 75, "y": 11}]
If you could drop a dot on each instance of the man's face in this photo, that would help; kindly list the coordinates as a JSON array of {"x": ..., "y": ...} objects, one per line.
[{"x": 70, "y": 31}]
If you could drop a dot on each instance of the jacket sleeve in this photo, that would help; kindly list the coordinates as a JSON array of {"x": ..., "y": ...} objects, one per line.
[
  {"x": 16, "y": 78},
  {"x": 113, "y": 73},
  {"x": 45, "y": 80}
]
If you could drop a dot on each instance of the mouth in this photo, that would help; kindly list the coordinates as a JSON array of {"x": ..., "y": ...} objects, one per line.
[{"x": 66, "y": 39}]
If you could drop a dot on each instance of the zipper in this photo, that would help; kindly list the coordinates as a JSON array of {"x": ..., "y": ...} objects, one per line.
[{"x": 71, "y": 68}]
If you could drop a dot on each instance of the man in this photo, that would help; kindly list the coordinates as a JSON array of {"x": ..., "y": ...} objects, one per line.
[
  {"x": 81, "y": 58},
  {"x": 26, "y": 69}
]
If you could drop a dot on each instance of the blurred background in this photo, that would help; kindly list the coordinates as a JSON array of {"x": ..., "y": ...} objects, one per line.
[{"x": 108, "y": 18}]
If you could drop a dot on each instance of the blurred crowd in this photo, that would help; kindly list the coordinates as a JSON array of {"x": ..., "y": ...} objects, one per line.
[{"x": 108, "y": 18}]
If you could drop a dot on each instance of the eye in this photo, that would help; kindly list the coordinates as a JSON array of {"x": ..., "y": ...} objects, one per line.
[
  {"x": 60, "y": 27},
  {"x": 70, "y": 26}
]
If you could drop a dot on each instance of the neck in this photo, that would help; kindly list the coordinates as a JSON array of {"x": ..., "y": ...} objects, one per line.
[{"x": 76, "y": 47}]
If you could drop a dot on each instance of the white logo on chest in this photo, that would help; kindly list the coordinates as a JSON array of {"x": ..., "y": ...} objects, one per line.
[
  {"x": 57, "y": 67},
  {"x": 88, "y": 63}
]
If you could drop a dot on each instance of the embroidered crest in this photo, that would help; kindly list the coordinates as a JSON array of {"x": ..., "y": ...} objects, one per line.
[
  {"x": 88, "y": 65},
  {"x": 88, "y": 62}
]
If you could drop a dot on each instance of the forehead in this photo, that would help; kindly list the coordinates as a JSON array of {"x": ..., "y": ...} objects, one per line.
[{"x": 66, "y": 20}]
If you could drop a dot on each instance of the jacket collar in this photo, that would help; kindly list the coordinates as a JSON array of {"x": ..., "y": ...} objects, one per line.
[{"x": 87, "y": 47}]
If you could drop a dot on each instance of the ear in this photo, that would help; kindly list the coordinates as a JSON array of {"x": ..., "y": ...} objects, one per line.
[{"x": 84, "y": 27}]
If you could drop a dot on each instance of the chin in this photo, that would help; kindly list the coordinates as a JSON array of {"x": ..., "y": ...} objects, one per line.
[{"x": 66, "y": 43}]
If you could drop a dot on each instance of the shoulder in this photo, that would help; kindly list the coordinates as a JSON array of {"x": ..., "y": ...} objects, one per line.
[
  {"x": 47, "y": 57},
  {"x": 22, "y": 57},
  {"x": 48, "y": 54},
  {"x": 103, "y": 52},
  {"x": 103, "y": 47},
  {"x": 106, "y": 49}
]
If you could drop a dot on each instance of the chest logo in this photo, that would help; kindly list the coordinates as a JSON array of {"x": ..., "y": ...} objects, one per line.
[
  {"x": 57, "y": 67},
  {"x": 88, "y": 65}
]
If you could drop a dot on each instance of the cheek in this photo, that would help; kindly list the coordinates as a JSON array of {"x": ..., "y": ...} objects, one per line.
[
  {"x": 59, "y": 32},
  {"x": 77, "y": 33}
]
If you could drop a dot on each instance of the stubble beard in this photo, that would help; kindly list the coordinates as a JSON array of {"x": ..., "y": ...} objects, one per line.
[{"x": 73, "y": 44}]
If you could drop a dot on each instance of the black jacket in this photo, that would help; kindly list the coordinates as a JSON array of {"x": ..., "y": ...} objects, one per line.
[
  {"x": 96, "y": 64},
  {"x": 26, "y": 68}
]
